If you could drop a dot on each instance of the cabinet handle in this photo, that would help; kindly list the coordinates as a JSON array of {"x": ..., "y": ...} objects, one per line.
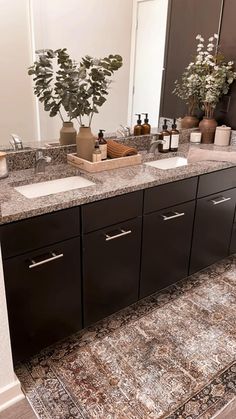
[
  {"x": 175, "y": 215},
  {"x": 219, "y": 200},
  {"x": 116, "y": 236},
  {"x": 34, "y": 264}
]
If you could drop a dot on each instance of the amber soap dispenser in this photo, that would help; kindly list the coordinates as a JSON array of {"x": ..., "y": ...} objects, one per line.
[
  {"x": 146, "y": 127},
  {"x": 138, "y": 126},
  {"x": 165, "y": 136}
]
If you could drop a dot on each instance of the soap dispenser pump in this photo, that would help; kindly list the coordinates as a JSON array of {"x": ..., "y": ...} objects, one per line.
[
  {"x": 138, "y": 126},
  {"x": 146, "y": 127}
]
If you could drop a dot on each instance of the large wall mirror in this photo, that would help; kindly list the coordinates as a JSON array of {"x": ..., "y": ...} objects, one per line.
[{"x": 135, "y": 29}]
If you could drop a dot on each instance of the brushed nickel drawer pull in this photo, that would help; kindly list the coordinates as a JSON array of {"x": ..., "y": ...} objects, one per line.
[
  {"x": 123, "y": 233},
  {"x": 220, "y": 200},
  {"x": 34, "y": 264},
  {"x": 175, "y": 215}
]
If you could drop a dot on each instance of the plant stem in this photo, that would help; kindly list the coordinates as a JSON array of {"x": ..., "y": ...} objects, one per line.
[{"x": 61, "y": 116}]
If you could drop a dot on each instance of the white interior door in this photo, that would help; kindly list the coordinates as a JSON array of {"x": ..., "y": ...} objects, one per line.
[{"x": 149, "y": 46}]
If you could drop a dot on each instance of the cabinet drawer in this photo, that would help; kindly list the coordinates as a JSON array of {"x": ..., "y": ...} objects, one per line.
[
  {"x": 44, "y": 301},
  {"x": 174, "y": 193},
  {"x": 23, "y": 236},
  {"x": 221, "y": 180},
  {"x": 212, "y": 229},
  {"x": 111, "y": 211},
  {"x": 166, "y": 246},
  {"x": 111, "y": 267}
]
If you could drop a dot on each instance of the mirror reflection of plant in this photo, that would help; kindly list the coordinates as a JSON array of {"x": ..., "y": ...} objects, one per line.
[
  {"x": 79, "y": 89},
  {"x": 207, "y": 78},
  {"x": 94, "y": 84}
]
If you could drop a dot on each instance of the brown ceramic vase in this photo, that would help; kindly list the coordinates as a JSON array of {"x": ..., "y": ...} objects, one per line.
[
  {"x": 189, "y": 122},
  {"x": 67, "y": 134},
  {"x": 207, "y": 127},
  {"x": 85, "y": 141}
]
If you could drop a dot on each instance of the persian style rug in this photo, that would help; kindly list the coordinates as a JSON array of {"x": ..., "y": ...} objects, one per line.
[{"x": 171, "y": 355}]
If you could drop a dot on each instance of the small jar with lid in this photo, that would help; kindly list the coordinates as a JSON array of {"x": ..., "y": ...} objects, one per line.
[
  {"x": 3, "y": 165},
  {"x": 222, "y": 135}
]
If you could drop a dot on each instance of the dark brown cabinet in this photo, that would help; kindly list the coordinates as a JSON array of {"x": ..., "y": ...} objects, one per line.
[
  {"x": 43, "y": 290},
  {"x": 212, "y": 229},
  {"x": 166, "y": 247},
  {"x": 111, "y": 269},
  {"x": 132, "y": 246}
]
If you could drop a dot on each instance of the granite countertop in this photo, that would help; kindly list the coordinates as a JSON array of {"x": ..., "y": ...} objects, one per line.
[{"x": 15, "y": 206}]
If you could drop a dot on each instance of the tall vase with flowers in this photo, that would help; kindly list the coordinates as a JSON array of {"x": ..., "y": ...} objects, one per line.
[
  {"x": 208, "y": 77},
  {"x": 215, "y": 77}
]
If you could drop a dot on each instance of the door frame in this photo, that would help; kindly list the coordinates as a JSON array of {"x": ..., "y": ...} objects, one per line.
[{"x": 133, "y": 55}]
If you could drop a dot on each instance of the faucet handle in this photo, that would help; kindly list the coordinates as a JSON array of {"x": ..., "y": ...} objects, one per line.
[
  {"x": 16, "y": 142},
  {"x": 38, "y": 153}
]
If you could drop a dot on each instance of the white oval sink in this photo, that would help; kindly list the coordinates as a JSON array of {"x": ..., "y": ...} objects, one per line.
[
  {"x": 35, "y": 190},
  {"x": 169, "y": 163}
]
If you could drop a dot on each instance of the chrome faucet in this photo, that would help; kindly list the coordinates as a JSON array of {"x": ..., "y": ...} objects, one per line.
[
  {"x": 154, "y": 143},
  {"x": 16, "y": 142},
  {"x": 40, "y": 162},
  {"x": 124, "y": 131}
]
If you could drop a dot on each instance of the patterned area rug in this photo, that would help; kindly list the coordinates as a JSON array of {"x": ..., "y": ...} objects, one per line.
[{"x": 172, "y": 355}]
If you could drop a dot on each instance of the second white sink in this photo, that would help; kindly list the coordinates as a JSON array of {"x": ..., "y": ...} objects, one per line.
[
  {"x": 35, "y": 190},
  {"x": 169, "y": 163}
]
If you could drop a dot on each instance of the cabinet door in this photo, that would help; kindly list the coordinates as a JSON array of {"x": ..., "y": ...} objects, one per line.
[
  {"x": 111, "y": 269},
  {"x": 166, "y": 247},
  {"x": 212, "y": 229},
  {"x": 43, "y": 296}
]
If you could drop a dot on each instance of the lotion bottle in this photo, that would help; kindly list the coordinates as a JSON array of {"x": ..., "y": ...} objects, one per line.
[
  {"x": 165, "y": 136},
  {"x": 138, "y": 126},
  {"x": 174, "y": 140},
  {"x": 97, "y": 155},
  {"x": 146, "y": 127},
  {"x": 102, "y": 144}
]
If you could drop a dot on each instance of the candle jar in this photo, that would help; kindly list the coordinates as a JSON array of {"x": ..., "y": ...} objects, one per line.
[{"x": 3, "y": 165}]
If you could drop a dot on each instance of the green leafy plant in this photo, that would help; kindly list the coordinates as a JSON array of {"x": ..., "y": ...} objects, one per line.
[{"x": 77, "y": 90}]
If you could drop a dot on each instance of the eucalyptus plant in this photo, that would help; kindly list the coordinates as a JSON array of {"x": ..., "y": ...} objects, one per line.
[{"x": 79, "y": 89}]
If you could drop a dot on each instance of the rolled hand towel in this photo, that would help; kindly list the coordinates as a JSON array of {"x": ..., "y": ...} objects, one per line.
[
  {"x": 199, "y": 154},
  {"x": 115, "y": 150}
]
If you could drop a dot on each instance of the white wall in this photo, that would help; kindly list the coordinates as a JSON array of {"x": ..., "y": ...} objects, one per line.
[
  {"x": 94, "y": 27},
  {"x": 9, "y": 386},
  {"x": 17, "y": 103}
]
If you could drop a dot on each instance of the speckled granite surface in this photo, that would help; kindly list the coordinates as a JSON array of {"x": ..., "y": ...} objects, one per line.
[
  {"x": 139, "y": 363},
  {"x": 15, "y": 206}
]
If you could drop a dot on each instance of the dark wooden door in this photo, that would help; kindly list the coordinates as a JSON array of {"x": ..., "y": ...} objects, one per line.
[
  {"x": 226, "y": 109},
  {"x": 166, "y": 247},
  {"x": 212, "y": 229},
  {"x": 43, "y": 291},
  {"x": 111, "y": 269},
  {"x": 187, "y": 18}
]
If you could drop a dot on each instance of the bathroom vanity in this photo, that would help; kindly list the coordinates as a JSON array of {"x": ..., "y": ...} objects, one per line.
[{"x": 72, "y": 259}]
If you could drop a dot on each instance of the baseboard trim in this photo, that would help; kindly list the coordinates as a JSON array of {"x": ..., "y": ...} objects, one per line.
[{"x": 10, "y": 394}]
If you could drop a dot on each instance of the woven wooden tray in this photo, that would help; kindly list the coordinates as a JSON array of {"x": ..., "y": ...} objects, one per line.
[{"x": 108, "y": 164}]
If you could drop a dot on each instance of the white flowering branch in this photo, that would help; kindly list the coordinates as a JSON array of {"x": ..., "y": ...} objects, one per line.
[{"x": 207, "y": 78}]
